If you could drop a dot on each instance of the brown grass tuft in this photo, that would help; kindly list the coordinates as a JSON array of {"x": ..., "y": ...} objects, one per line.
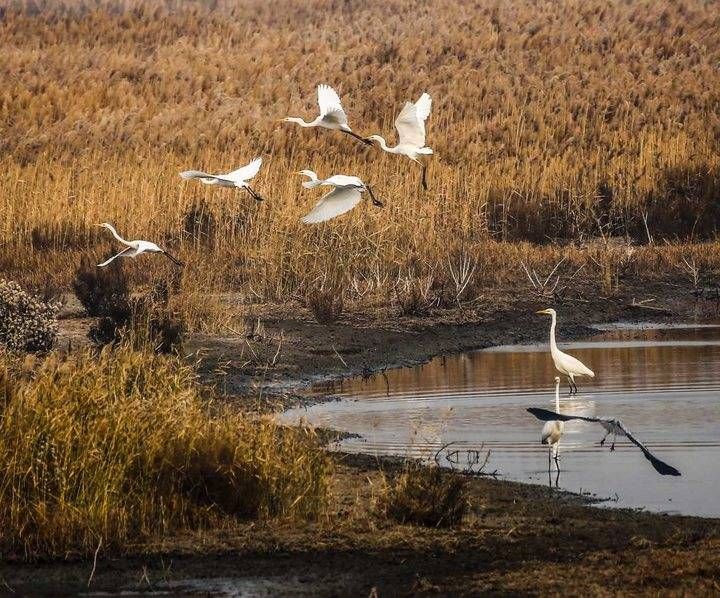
[
  {"x": 121, "y": 447},
  {"x": 425, "y": 496}
]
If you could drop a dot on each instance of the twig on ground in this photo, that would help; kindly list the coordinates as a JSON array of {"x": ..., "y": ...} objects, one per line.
[{"x": 92, "y": 573}]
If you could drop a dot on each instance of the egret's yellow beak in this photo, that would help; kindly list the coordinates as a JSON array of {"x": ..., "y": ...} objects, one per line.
[{"x": 542, "y": 311}]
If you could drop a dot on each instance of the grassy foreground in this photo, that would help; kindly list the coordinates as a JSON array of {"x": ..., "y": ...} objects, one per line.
[{"x": 120, "y": 448}]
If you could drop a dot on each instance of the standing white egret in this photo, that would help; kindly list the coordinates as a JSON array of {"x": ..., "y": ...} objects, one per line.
[
  {"x": 237, "y": 178},
  {"x": 346, "y": 194},
  {"x": 564, "y": 363},
  {"x": 332, "y": 116},
  {"x": 410, "y": 125},
  {"x": 553, "y": 430},
  {"x": 611, "y": 425},
  {"x": 134, "y": 248}
]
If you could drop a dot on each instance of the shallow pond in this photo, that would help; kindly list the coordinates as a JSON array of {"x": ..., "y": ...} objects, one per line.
[{"x": 663, "y": 383}]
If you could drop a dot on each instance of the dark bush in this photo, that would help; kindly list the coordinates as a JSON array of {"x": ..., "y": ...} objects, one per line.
[
  {"x": 105, "y": 292},
  {"x": 102, "y": 291},
  {"x": 425, "y": 496},
  {"x": 326, "y": 304}
]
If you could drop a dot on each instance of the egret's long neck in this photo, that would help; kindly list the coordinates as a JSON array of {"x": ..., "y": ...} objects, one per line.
[
  {"x": 118, "y": 237},
  {"x": 384, "y": 145},
  {"x": 553, "y": 344},
  {"x": 557, "y": 396},
  {"x": 313, "y": 182},
  {"x": 299, "y": 121}
]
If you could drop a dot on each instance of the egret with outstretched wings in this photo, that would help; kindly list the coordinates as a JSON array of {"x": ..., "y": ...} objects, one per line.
[
  {"x": 346, "y": 194},
  {"x": 332, "y": 116},
  {"x": 134, "y": 248},
  {"x": 612, "y": 426},
  {"x": 410, "y": 125},
  {"x": 237, "y": 178}
]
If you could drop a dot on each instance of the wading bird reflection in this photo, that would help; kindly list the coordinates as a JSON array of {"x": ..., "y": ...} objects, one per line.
[
  {"x": 552, "y": 431},
  {"x": 611, "y": 425}
]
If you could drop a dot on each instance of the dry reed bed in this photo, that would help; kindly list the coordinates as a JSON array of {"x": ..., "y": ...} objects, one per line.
[
  {"x": 120, "y": 448},
  {"x": 551, "y": 121}
]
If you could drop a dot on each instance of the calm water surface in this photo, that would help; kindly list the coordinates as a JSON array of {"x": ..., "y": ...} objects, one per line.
[{"x": 663, "y": 383}]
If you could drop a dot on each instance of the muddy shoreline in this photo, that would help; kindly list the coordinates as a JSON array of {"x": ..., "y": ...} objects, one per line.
[
  {"x": 293, "y": 352},
  {"x": 515, "y": 538}
]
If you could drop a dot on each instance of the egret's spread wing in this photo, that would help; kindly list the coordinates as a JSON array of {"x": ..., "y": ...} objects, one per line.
[
  {"x": 546, "y": 415},
  {"x": 127, "y": 252},
  {"x": 343, "y": 180},
  {"x": 660, "y": 466},
  {"x": 246, "y": 172},
  {"x": 423, "y": 106},
  {"x": 411, "y": 130},
  {"x": 329, "y": 102},
  {"x": 338, "y": 201},
  {"x": 196, "y": 174}
]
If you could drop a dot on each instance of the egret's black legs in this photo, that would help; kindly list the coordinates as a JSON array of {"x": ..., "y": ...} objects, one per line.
[
  {"x": 358, "y": 137},
  {"x": 424, "y": 177},
  {"x": 174, "y": 260},
  {"x": 256, "y": 196},
  {"x": 375, "y": 200}
]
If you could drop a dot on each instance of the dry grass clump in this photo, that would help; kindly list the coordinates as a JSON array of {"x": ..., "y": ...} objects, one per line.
[
  {"x": 27, "y": 323},
  {"x": 120, "y": 447},
  {"x": 425, "y": 496},
  {"x": 550, "y": 121}
]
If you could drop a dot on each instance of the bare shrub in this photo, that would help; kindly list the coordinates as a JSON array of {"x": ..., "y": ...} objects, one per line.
[
  {"x": 27, "y": 323},
  {"x": 105, "y": 292},
  {"x": 425, "y": 496},
  {"x": 326, "y": 303},
  {"x": 102, "y": 291},
  {"x": 414, "y": 295}
]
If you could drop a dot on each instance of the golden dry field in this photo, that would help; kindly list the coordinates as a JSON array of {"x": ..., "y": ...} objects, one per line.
[{"x": 553, "y": 124}]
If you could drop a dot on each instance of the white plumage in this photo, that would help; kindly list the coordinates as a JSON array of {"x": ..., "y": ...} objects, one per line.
[
  {"x": 332, "y": 115},
  {"x": 134, "y": 248},
  {"x": 237, "y": 178},
  {"x": 346, "y": 194},
  {"x": 564, "y": 363},
  {"x": 553, "y": 430},
  {"x": 410, "y": 125}
]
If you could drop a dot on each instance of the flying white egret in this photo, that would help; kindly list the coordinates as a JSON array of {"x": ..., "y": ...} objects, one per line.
[
  {"x": 134, "y": 248},
  {"x": 611, "y": 425},
  {"x": 564, "y": 363},
  {"x": 332, "y": 116},
  {"x": 346, "y": 194},
  {"x": 410, "y": 125},
  {"x": 553, "y": 430},
  {"x": 237, "y": 178}
]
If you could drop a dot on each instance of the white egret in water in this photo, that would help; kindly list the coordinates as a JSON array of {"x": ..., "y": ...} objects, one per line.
[
  {"x": 134, "y": 248},
  {"x": 237, "y": 178},
  {"x": 332, "y": 116},
  {"x": 611, "y": 425},
  {"x": 564, "y": 363},
  {"x": 553, "y": 430},
  {"x": 410, "y": 125},
  {"x": 346, "y": 194}
]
